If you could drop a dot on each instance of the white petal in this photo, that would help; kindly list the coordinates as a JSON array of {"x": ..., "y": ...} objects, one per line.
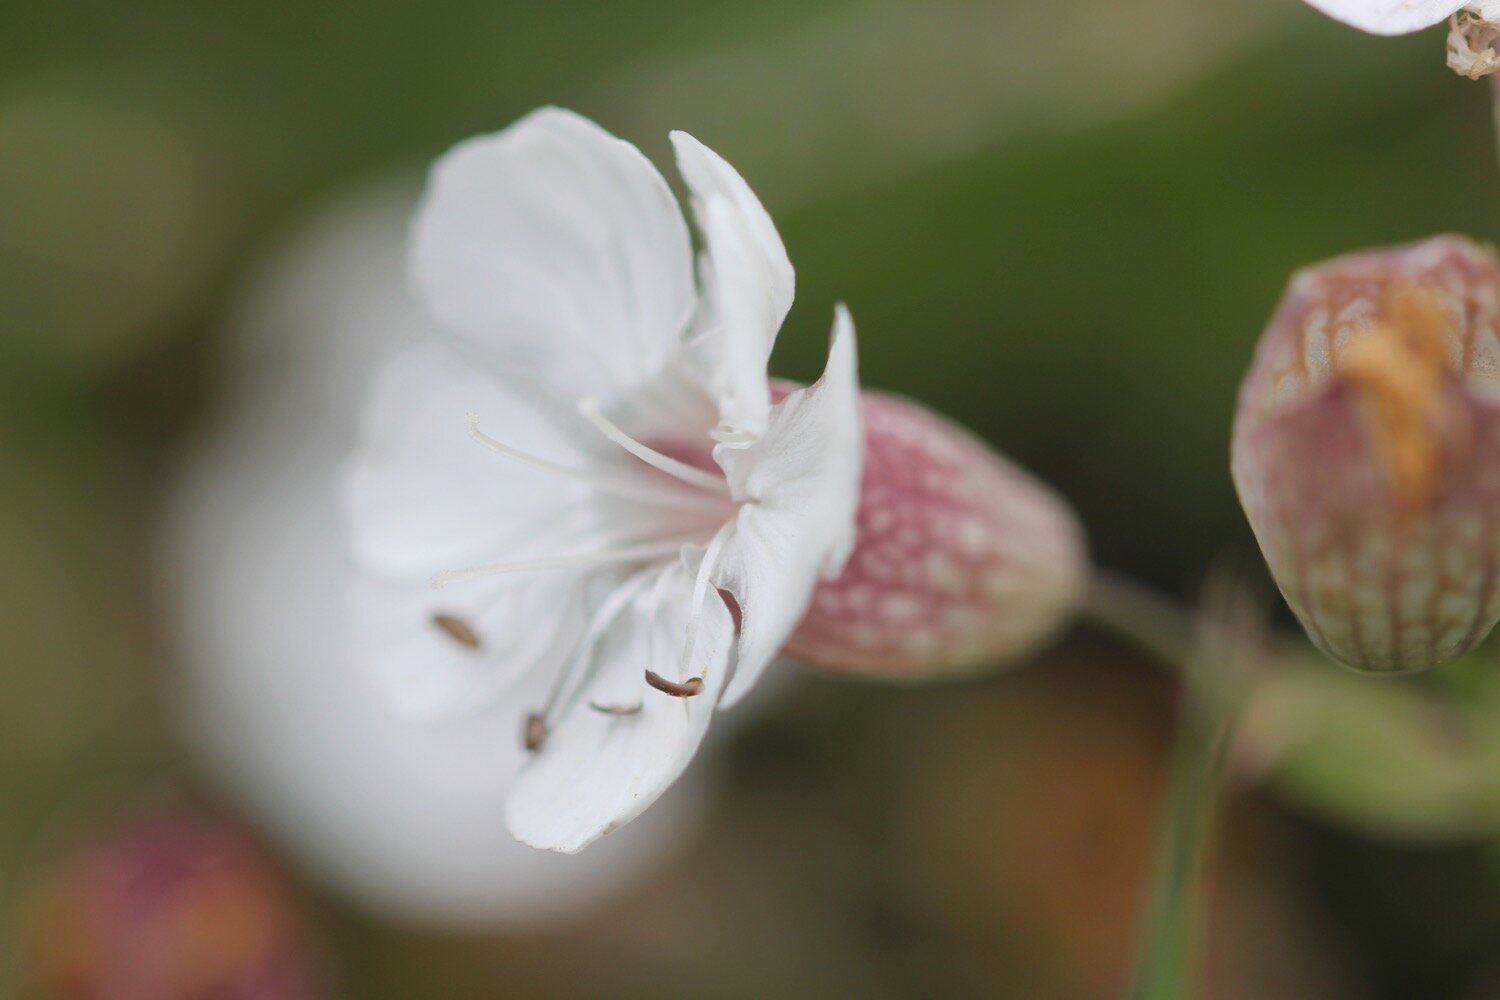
[
  {"x": 423, "y": 496},
  {"x": 559, "y": 251},
  {"x": 708, "y": 175},
  {"x": 748, "y": 285},
  {"x": 802, "y": 479},
  {"x": 596, "y": 771},
  {"x": 1390, "y": 17},
  {"x": 438, "y": 653}
]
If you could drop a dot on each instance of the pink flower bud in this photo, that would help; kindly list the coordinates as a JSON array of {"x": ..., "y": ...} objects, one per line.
[
  {"x": 1366, "y": 452},
  {"x": 172, "y": 904},
  {"x": 961, "y": 559}
]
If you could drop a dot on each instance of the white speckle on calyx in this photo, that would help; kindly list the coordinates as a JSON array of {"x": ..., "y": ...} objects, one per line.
[
  {"x": 999, "y": 585},
  {"x": 945, "y": 575},
  {"x": 899, "y": 608},
  {"x": 972, "y": 536},
  {"x": 922, "y": 641},
  {"x": 859, "y": 599}
]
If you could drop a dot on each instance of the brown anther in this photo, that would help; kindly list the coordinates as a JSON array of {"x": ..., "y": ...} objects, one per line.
[
  {"x": 616, "y": 709},
  {"x": 536, "y": 732},
  {"x": 686, "y": 689},
  {"x": 457, "y": 629},
  {"x": 1399, "y": 363}
]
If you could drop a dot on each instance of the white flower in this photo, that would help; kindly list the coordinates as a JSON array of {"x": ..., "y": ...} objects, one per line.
[
  {"x": 409, "y": 819},
  {"x": 587, "y": 483},
  {"x": 1399, "y": 17}
]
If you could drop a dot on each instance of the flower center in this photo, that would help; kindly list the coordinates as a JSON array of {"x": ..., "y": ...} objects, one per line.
[
  {"x": 680, "y": 470},
  {"x": 696, "y": 499},
  {"x": 681, "y": 498}
]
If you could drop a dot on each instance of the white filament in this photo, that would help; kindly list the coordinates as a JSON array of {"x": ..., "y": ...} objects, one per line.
[
  {"x": 579, "y": 669},
  {"x": 605, "y": 484},
  {"x": 570, "y": 560},
  {"x": 700, "y": 591},
  {"x": 664, "y": 463}
]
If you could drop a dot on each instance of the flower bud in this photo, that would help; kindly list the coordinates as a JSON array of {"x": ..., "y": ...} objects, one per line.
[
  {"x": 961, "y": 559},
  {"x": 1366, "y": 452},
  {"x": 171, "y": 904}
]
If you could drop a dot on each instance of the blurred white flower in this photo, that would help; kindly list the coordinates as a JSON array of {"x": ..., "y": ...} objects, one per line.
[
  {"x": 1399, "y": 17},
  {"x": 407, "y": 818},
  {"x": 556, "y": 492}
]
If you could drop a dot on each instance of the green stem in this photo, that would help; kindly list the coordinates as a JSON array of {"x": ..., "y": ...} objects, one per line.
[
  {"x": 1140, "y": 616},
  {"x": 1194, "y": 781},
  {"x": 1209, "y": 707}
]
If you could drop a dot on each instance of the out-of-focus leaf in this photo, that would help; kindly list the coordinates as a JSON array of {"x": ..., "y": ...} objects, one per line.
[
  {"x": 114, "y": 220},
  {"x": 1390, "y": 758}
]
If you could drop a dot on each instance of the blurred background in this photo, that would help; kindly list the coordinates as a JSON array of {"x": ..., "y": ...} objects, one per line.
[{"x": 1061, "y": 224}]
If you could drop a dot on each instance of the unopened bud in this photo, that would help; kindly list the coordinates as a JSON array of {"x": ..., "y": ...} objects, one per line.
[
  {"x": 961, "y": 559},
  {"x": 171, "y": 904},
  {"x": 1366, "y": 452}
]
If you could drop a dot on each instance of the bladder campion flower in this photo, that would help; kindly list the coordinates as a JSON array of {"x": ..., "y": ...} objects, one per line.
[
  {"x": 610, "y": 435},
  {"x": 1366, "y": 452},
  {"x": 591, "y": 478}
]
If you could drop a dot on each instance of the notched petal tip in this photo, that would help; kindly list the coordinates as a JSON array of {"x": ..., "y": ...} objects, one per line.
[
  {"x": 747, "y": 284},
  {"x": 557, "y": 251},
  {"x": 803, "y": 477},
  {"x": 842, "y": 352}
]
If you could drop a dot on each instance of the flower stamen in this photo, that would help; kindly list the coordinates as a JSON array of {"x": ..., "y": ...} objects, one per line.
[
  {"x": 578, "y": 670},
  {"x": 626, "y": 491},
  {"x": 678, "y": 470},
  {"x": 617, "y": 709},
  {"x": 685, "y": 689},
  {"x": 700, "y": 592},
  {"x": 457, "y": 629},
  {"x": 570, "y": 560},
  {"x": 536, "y": 732}
]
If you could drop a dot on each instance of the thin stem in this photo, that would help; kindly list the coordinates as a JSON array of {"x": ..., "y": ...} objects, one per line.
[
  {"x": 1150, "y": 621},
  {"x": 1195, "y": 778},
  {"x": 1211, "y": 655}
]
